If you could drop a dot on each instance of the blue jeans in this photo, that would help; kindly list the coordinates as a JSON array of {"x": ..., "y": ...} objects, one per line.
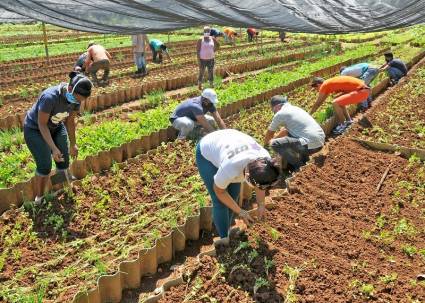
[
  {"x": 139, "y": 59},
  {"x": 368, "y": 77},
  {"x": 222, "y": 215},
  {"x": 395, "y": 74},
  {"x": 41, "y": 151}
]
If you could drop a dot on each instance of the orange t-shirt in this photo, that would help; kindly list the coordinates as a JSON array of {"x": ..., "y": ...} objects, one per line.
[
  {"x": 341, "y": 84},
  {"x": 229, "y": 32}
]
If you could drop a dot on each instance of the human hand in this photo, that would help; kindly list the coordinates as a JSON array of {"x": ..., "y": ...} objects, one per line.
[
  {"x": 244, "y": 215},
  {"x": 261, "y": 211},
  {"x": 57, "y": 155},
  {"x": 73, "y": 151}
]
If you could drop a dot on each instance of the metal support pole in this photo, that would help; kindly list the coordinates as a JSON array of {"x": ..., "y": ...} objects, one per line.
[{"x": 43, "y": 25}]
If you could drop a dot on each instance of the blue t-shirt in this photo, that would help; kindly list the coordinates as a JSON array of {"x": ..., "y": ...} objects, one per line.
[
  {"x": 156, "y": 44},
  {"x": 214, "y": 32},
  {"x": 356, "y": 70},
  {"x": 398, "y": 64},
  {"x": 51, "y": 101},
  {"x": 191, "y": 108},
  {"x": 81, "y": 60}
]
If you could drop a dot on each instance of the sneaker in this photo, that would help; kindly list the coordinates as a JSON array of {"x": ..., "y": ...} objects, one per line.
[
  {"x": 348, "y": 122},
  {"x": 339, "y": 129},
  {"x": 38, "y": 200}
]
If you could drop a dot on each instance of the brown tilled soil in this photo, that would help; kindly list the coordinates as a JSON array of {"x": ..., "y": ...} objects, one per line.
[{"x": 330, "y": 230}]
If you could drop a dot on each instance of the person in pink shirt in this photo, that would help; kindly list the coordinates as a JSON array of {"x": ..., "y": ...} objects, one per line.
[{"x": 206, "y": 48}]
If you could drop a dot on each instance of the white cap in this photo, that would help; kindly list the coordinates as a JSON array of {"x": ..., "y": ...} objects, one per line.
[{"x": 211, "y": 95}]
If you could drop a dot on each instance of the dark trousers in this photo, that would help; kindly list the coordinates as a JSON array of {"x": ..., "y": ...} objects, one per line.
[
  {"x": 41, "y": 151},
  {"x": 294, "y": 154},
  {"x": 203, "y": 64},
  {"x": 155, "y": 54},
  {"x": 100, "y": 65}
]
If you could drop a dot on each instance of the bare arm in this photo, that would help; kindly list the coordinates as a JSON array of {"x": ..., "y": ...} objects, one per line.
[
  {"x": 70, "y": 127},
  {"x": 268, "y": 137},
  {"x": 204, "y": 123},
  {"x": 320, "y": 99},
  {"x": 198, "y": 49},
  {"x": 260, "y": 196},
  {"x": 88, "y": 59},
  {"x": 218, "y": 119},
  {"x": 216, "y": 44},
  {"x": 168, "y": 56},
  {"x": 226, "y": 199},
  {"x": 384, "y": 67},
  {"x": 108, "y": 54}
]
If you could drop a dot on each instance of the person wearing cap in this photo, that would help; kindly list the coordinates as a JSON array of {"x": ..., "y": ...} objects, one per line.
[
  {"x": 98, "y": 58},
  {"x": 80, "y": 66},
  {"x": 50, "y": 123},
  {"x": 300, "y": 135},
  {"x": 252, "y": 34},
  {"x": 395, "y": 68},
  {"x": 158, "y": 48},
  {"x": 225, "y": 159},
  {"x": 193, "y": 111},
  {"x": 363, "y": 71},
  {"x": 230, "y": 35},
  {"x": 215, "y": 33},
  {"x": 205, "y": 50},
  {"x": 349, "y": 90},
  {"x": 140, "y": 42}
]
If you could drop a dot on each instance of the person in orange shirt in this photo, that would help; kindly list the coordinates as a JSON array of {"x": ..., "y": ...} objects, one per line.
[
  {"x": 230, "y": 35},
  {"x": 349, "y": 90}
]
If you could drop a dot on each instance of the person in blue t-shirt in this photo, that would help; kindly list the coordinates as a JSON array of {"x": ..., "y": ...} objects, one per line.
[
  {"x": 215, "y": 33},
  {"x": 50, "y": 123},
  {"x": 395, "y": 68},
  {"x": 362, "y": 71},
  {"x": 192, "y": 112},
  {"x": 158, "y": 48}
]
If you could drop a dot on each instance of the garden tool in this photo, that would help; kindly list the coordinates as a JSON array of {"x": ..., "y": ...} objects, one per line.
[{"x": 61, "y": 176}]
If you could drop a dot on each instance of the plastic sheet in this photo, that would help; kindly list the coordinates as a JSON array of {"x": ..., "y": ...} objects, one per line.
[{"x": 146, "y": 16}]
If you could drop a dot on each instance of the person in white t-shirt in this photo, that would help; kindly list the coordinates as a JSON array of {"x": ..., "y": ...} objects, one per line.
[
  {"x": 140, "y": 43},
  {"x": 299, "y": 137},
  {"x": 226, "y": 158}
]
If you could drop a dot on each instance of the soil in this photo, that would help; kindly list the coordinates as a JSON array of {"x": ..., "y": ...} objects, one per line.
[
  {"x": 329, "y": 230},
  {"x": 397, "y": 118}
]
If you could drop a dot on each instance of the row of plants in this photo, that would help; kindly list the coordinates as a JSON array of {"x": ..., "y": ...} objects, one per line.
[
  {"x": 327, "y": 242},
  {"x": 12, "y": 113},
  {"x": 99, "y": 261},
  {"x": 109, "y": 134}
]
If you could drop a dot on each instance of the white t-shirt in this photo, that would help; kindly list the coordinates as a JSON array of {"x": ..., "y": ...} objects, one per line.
[
  {"x": 139, "y": 42},
  {"x": 230, "y": 151},
  {"x": 299, "y": 124}
]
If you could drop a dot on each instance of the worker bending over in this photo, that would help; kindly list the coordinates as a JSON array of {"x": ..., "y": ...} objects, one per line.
[
  {"x": 349, "y": 90},
  {"x": 299, "y": 134},
  {"x": 192, "y": 112}
]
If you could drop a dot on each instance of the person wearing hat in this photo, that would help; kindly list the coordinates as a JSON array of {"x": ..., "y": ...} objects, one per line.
[
  {"x": 50, "y": 123},
  {"x": 158, "y": 48},
  {"x": 205, "y": 50},
  {"x": 300, "y": 135},
  {"x": 363, "y": 71},
  {"x": 98, "y": 58},
  {"x": 349, "y": 90},
  {"x": 226, "y": 158},
  {"x": 395, "y": 68},
  {"x": 193, "y": 111}
]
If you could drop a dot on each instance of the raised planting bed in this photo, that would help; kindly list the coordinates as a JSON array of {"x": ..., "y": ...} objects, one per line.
[
  {"x": 58, "y": 248},
  {"x": 336, "y": 238},
  {"x": 399, "y": 117},
  {"x": 128, "y": 143}
]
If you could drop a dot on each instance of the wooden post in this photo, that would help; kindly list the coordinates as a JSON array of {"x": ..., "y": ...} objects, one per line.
[
  {"x": 168, "y": 37},
  {"x": 261, "y": 41},
  {"x": 43, "y": 25}
]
